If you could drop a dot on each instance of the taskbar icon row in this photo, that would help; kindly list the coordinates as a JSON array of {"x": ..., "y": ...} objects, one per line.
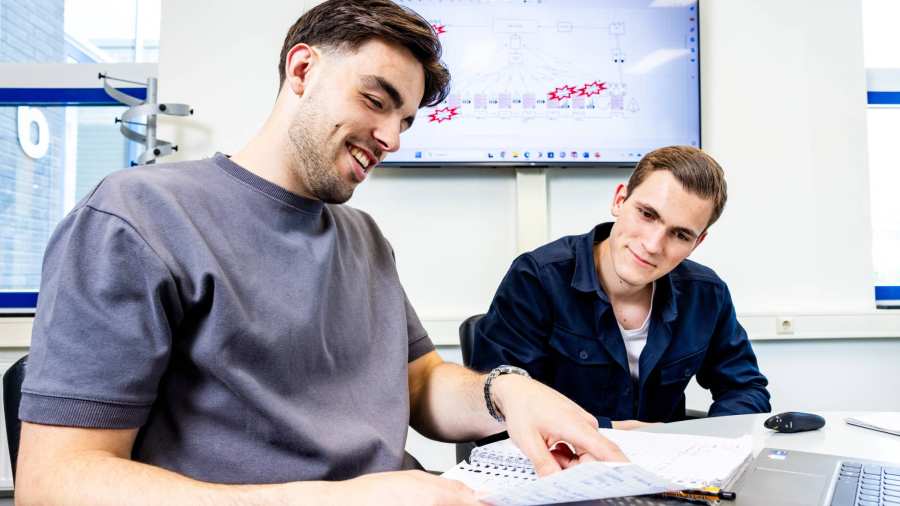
[
  {"x": 518, "y": 155},
  {"x": 572, "y": 155}
]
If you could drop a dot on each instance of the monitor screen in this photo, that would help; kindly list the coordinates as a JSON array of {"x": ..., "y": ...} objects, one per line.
[{"x": 559, "y": 82}]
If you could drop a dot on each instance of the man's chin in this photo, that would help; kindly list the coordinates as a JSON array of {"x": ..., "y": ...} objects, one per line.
[
  {"x": 636, "y": 280},
  {"x": 335, "y": 195},
  {"x": 332, "y": 198}
]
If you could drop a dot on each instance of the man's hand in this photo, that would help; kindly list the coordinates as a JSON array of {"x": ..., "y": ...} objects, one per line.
[
  {"x": 403, "y": 487},
  {"x": 630, "y": 424},
  {"x": 537, "y": 417}
]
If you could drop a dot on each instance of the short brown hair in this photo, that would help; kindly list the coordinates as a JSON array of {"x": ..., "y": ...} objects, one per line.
[
  {"x": 348, "y": 24},
  {"x": 697, "y": 172}
]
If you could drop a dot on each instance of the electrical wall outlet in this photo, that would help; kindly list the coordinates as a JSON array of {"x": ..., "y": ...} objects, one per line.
[{"x": 784, "y": 325}]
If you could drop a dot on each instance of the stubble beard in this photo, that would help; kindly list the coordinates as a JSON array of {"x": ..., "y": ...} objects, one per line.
[{"x": 309, "y": 137}]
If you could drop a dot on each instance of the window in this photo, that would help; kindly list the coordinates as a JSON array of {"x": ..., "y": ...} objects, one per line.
[
  {"x": 57, "y": 155},
  {"x": 57, "y": 124},
  {"x": 882, "y": 60},
  {"x": 884, "y": 172},
  {"x": 39, "y": 185},
  {"x": 79, "y": 31}
]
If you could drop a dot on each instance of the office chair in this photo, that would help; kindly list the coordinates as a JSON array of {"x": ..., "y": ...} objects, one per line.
[
  {"x": 12, "y": 394},
  {"x": 693, "y": 414},
  {"x": 467, "y": 337},
  {"x": 466, "y": 341}
]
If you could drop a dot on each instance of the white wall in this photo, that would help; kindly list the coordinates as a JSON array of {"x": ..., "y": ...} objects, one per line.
[{"x": 783, "y": 110}]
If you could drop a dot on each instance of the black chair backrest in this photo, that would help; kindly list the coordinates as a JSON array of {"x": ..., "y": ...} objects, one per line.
[
  {"x": 467, "y": 337},
  {"x": 12, "y": 394},
  {"x": 466, "y": 341}
]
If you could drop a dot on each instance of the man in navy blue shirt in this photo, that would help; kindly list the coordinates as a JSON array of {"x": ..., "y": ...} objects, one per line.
[{"x": 618, "y": 319}]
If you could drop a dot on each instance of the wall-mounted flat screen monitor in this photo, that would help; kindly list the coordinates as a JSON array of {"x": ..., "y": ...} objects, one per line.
[{"x": 559, "y": 82}]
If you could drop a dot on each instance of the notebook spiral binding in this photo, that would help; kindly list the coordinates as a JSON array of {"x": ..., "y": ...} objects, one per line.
[{"x": 498, "y": 461}]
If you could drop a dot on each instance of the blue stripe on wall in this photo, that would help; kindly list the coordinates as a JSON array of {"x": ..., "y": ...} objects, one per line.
[
  {"x": 887, "y": 293},
  {"x": 18, "y": 300},
  {"x": 64, "y": 96},
  {"x": 884, "y": 97}
]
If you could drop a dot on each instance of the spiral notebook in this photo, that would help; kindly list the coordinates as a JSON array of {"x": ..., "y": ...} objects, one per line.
[{"x": 503, "y": 476}]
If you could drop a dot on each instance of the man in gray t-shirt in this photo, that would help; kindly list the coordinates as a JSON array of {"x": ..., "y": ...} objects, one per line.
[
  {"x": 226, "y": 331},
  {"x": 261, "y": 311}
]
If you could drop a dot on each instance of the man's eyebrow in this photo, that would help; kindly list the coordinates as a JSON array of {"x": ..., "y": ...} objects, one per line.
[
  {"x": 380, "y": 82},
  {"x": 684, "y": 230},
  {"x": 373, "y": 81},
  {"x": 647, "y": 208}
]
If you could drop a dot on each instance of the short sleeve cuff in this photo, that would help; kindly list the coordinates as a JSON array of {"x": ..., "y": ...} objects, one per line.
[
  {"x": 420, "y": 347},
  {"x": 49, "y": 410}
]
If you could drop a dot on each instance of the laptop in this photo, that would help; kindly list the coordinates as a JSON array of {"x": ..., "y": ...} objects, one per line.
[{"x": 792, "y": 478}]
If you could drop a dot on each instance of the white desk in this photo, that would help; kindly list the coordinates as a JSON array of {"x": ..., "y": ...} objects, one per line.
[{"x": 836, "y": 438}]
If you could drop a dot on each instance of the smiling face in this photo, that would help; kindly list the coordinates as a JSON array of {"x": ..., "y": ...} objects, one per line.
[
  {"x": 657, "y": 226},
  {"x": 353, "y": 106}
]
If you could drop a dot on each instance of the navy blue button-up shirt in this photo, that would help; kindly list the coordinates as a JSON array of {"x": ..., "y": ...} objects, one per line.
[{"x": 551, "y": 317}]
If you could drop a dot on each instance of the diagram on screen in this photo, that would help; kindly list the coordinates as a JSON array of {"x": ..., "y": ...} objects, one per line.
[
  {"x": 570, "y": 76},
  {"x": 525, "y": 69}
]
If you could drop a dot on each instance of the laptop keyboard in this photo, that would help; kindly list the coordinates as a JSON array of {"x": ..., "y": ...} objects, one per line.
[{"x": 866, "y": 485}]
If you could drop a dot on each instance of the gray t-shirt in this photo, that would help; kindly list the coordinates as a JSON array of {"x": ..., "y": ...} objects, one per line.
[{"x": 253, "y": 335}]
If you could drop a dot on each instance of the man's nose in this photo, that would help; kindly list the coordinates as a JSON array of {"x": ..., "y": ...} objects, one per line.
[
  {"x": 388, "y": 136},
  {"x": 653, "y": 241}
]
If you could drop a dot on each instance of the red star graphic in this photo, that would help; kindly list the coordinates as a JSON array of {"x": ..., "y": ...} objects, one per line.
[
  {"x": 439, "y": 29},
  {"x": 561, "y": 93},
  {"x": 443, "y": 114},
  {"x": 590, "y": 89}
]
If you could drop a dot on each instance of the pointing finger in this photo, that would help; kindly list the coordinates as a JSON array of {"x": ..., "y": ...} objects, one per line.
[{"x": 535, "y": 448}]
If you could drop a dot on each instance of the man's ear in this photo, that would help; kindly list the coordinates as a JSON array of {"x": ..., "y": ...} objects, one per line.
[
  {"x": 298, "y": 62},
  {"x": 618, "y": 199}
]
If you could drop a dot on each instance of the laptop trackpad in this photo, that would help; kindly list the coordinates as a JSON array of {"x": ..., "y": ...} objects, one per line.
[{"x": 782, "y": 488}]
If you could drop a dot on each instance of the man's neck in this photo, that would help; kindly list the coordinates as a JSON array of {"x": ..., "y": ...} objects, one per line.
[
  {"x": 268, "y": 155},
  {"x": 630, "y": 304}
]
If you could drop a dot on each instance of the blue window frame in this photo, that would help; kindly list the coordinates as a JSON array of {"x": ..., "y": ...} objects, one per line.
[
  {"x": 56, "y": 122},
  {"x": 884, "y": 118},
  {"x": 84, "y": 144},
  {"x": 84, "y": 97}
]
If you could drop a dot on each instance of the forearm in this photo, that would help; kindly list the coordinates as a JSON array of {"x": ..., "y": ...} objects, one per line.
[
  {"x": 450, "y": 406},
  {"x": 99, "y": 479},
  {"x": 742, "y": 401},
  {"x": 447, "y": 403}
]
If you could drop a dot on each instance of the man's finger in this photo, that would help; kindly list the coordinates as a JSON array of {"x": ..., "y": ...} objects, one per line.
[
  {"x": 457, "y": 491},
  {"x": 586, "y": 457},
  {"x": 562, "y": 460},
  {"x": 598, "y": 446},
  {"x": 564, "y": 454},
  {"x": 535, "y": 448}
]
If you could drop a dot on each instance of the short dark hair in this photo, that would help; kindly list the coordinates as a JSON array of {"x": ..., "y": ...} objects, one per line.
[
  {"x": 697, "y": 172},
  {"x": 348, "y": 24}
]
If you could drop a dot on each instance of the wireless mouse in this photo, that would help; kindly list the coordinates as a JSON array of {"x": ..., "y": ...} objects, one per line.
[{"x": 794, "y": 421}]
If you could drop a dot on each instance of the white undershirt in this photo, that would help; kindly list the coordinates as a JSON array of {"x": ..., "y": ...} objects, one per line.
[{"x": 636, "y": 339}]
